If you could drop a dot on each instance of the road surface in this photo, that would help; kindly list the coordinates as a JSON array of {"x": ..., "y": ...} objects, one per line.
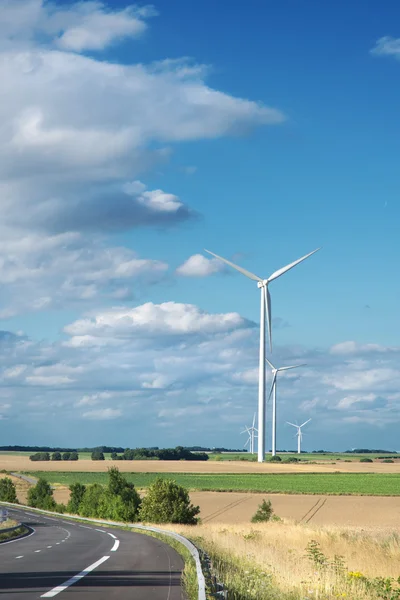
[{"x": 74, "y": 561}]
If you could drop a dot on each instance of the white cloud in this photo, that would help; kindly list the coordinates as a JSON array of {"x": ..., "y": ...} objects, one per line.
[
  {"x": 352, "y": 347},
  {"x": 167, "y": 318},
  {"x": 103, "y": 414},
  {"x": 200, "y": 266},
  {"x": 387, "y": 46},
  {"x": 93, "y": 399}
]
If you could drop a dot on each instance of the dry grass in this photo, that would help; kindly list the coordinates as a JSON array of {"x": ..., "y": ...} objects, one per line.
[
  {"x": 280, "y": 549},
  {"x": 22, "y": 463}
]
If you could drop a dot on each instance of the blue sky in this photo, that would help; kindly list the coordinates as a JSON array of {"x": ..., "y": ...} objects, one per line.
[{"x": 135, "y": 136}]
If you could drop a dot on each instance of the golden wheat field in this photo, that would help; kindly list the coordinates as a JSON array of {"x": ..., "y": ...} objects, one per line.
[{"x": 22, "y": 463}]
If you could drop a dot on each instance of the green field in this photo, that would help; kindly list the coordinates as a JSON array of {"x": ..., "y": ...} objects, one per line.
[
  {"x": 309, "y": 456},
  {"x": 369, "y": 484}
]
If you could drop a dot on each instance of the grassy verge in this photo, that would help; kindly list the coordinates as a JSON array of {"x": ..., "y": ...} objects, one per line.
[
  {"x": 9, "y": 535},
  {"x": 369, "y": 484},
  {"x": 282, "y": 561}
]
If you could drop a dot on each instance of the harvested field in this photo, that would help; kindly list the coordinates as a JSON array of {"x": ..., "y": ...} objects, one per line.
[
  {"x": 22, "y": 487},
  {"x": 22, "y": 463}
]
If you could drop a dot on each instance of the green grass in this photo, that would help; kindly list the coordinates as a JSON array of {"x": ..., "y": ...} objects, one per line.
[
  {"x": 310, "y": 456},
  {"x": 369, "y": 484}
]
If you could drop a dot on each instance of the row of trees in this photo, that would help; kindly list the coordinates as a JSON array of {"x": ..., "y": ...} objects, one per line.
[
  {"x": 178, "y": 453},
  {"x": 43, "y": 456},
  {"x": 165, "y": 501}
]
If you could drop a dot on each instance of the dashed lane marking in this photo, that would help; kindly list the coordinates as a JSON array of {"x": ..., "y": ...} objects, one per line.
[
  {"x": 116, "y": 546},
  {"x": 67, "y": 584},
  {"x": 22, "y": 556}
]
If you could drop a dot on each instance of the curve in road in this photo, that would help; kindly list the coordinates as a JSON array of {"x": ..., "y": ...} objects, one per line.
[{"x": 64, "y": 559}]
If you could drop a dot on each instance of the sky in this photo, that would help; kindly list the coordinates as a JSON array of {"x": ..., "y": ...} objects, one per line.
[{"x": 134, "y": 136}]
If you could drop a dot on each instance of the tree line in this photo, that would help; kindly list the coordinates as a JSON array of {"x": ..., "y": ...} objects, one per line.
[
  {"x": 165, "y": 500},
  {"x": 178, "y": 453},
  {"x": 43, "y": 456}
]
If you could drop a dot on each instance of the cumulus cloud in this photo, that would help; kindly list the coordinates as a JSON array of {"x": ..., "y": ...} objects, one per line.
[
  {"x": 171, "y": 318},
  {"x": 353, "y": 348},
  {"x": 387, "y": 46},
  {"x": 102, "y": 414},
  {"x": 200, "y": 266}
]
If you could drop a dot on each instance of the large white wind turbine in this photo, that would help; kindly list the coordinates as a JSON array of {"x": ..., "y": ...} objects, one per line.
[
  {"x": 299, "y": 433},
  {"x": 262, "y": 284},
  {"x": 252, "y": 434},
  {"x": 273, "y": 392}
]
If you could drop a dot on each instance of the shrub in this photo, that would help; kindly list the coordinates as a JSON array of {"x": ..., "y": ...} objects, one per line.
[
  {"x": 74, "y": 456},
  {"x": 264, "y": 512},
  {"x": 89, "y": 505},
  {"x": 66, "y": 456},
  {"x": 364, "y": 460},
  {"x": 41, "y": 496},
  {"x": 40, "y": 456},
  {"x": 290, "y": 459},
  {"x": 77, "y": 492},
  {"x": 56, "y": 456},
  {"x": 7, "y": 490},
  {"x": 388, "y": 460},
  {"x": 275, "y": 458},
  {"x": 97, "y": 455},
  {"x": 168, "y": 502}
]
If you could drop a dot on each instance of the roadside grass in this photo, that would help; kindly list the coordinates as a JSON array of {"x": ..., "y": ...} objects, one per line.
[
  {"x": 8, "y": 523},
  {"x": 360, "y": 484},
  {"x": 277, "y": 561},
  {"x": 9, "y": 535}
]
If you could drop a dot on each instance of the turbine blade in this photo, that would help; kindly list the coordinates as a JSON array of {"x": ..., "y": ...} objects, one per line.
[
  {"x": 289, "y": 423},
  {"x": 240, "y": 269},
  {"x": 254, "y": 420},
  {"x": 293, "y": 367},
  {"x": 246, "y": 443},
  {"x": 280, "y": 272},
  {"x": 272, "y": 387},
  {"x": 270, "y": 364},
  {"x": 268, "y": 314},
  {"x": 305, "y": 423}
]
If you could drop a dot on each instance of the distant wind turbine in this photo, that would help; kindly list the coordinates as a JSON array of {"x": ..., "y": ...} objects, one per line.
[
  {"x": 262, "y": 284},
  {"x": 273, "y": 392},
  {"x": 299, "y": 433},
  {"x": 252, "y": 434}
]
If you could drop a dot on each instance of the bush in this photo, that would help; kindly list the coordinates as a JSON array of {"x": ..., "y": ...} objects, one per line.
[
  {"x": 168, "y": 502},
  {"x": 289, "y": 459},
  {"x": 77, "y": 493},
  {"x": 66, "y": 456},
  {"x": 364, "y": 459},
  {"x": 8, "y": 492},
  {"x": 89, "y": 505},
  {"x": 275, "y": 458},
  {"x": 56, "y": 456},
  {"x": 97, "y": 455},
  {"x": 264, "y": 512},
  {"x": 388, "y": 460},
  {"x": 40, "y": 456},
  {"x": 121, "y": 500},
  {"x": 74, "y": 456},
  {"x": 41, "y": 496}
]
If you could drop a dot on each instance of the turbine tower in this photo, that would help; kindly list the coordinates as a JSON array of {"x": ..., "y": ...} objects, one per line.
[
  {"x": 273, "y": 391},
  {"x": 262, "y": 284},
  {"x": 299, "y": 433},
  {"x": 252, "y": 434}
]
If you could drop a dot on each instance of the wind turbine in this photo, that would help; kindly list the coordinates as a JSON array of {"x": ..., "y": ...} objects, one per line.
[
  {"x": 262, "y": 284},
  {"x": 252, "y": 434},
  {"x": 275, "y": 372},
  {"x": 299, "y": 433}
]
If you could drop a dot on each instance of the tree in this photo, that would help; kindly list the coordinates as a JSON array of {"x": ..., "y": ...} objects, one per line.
[
  {"x": 168, "y": 502},
  {"x": 77, "y": 493},
  {"x": 121, "y": 500},
  {"x": 264, "y": 512},
  {"x": 74, "y": 456},
  {"x": 41, "y": 496},
  {"x": 8, "y": 492},
  {"x": 89, "y": 506},
  {"x": 66, "y": 456},
  {"x": 40, "y": 456},
  {"x": 56, "y": 456},
  {"x": 97, "y": 455}
]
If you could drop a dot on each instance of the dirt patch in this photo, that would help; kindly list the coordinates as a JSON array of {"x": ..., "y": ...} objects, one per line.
[
  {"x": 22, "y": 463},
  {"x": 22, "y": 487}
]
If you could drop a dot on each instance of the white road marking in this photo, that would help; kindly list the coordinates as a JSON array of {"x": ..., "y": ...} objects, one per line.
[
  {"x": 74, "y": 579},
  {"x": 57, "y": 543},
  {"x": 112, "y": 535},
  {"x": 20, "y": 556},
  {"x": 49, "y": 546},
  {"x": 101, "y": 530},
  {"x": 85, "y": 527},
  {"x": 116, "y": 546},
  {"x": 37, "y": 550},
  {"x": 19, "y": 539}
]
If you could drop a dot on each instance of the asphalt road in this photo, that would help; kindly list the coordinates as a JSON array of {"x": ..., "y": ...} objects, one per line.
[{"x": 61, "y": 559}]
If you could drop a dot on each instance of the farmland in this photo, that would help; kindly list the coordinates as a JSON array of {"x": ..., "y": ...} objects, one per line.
[{"x": 370, "y": 484}]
